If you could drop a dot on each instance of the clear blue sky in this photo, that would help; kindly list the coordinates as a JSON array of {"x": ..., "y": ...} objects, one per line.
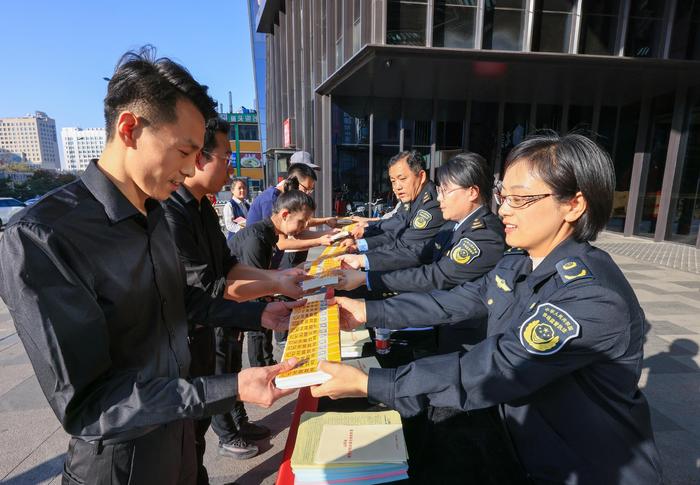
[{"x": 55, "y": 53}]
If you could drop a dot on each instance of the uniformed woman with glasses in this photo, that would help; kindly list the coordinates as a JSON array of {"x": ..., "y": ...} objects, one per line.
[{"x": 565, "y": 330}]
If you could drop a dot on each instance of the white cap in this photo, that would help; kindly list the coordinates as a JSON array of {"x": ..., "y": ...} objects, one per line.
[{"x": 305, "y": 158}]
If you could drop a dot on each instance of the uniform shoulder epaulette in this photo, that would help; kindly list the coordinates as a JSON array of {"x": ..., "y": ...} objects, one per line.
[
  {"x": 514, "y": 252},
  {"x": 572, "y": 269},
  {"x": 477, "y": 224},
  {"x": 427, "y": 197}
]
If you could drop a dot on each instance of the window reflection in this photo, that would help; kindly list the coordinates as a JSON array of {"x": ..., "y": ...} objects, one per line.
[
  {"x": 644, "y": 28},
  {"x": 453, "y": 23},
  {"x": 503, "y": 25},
  {"x": 350, "y": 170},
  {"x": 685, "y": 201},
  {"x": 685, "y": 42},
  {"x": 553, "y": 25},
  {"x": 406, "y": 21},
  {"x": 599, "y": 26},
  {"x": 652, "y": 179}
]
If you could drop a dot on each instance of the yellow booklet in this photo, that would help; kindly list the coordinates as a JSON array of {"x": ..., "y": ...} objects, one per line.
[
  {"x": 361, "y": 443},
  {"x": 311, "y": 427},
  {"x": 314, "y": 335}
]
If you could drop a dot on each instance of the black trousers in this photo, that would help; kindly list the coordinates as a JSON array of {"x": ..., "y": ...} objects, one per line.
[
  {"x": 229, "y": 354},
  {"x": 164, "y": 456},
  {"x": 260, "y": 348},
  {"x": 202, "y": 351}
]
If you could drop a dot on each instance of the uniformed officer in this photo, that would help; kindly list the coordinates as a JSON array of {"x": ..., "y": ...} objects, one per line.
[
  {"x": 564, "y": 351},
  {"x": 255, "y": 244},
  {"x": 468, "y": 246},
  {"x": 420, "y": 221}
]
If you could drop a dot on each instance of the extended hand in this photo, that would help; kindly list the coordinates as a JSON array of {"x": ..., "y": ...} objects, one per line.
[
  {"x": 349, "y": 279},
  {"x": 359, "y": 230},
  {"x": 288, "y": 285},
  {"x": 276, "y": 314},
  {"x": 255, "y": 384},
  {"x": 325, "y": 240},
  {"x": 346, "y": 381},
  {"x": 353, "y": 313},
  {"x": 352, "y": 261}
]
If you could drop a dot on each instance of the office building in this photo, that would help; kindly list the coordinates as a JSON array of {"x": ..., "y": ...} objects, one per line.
[
  {"x": 32, "y": 138},
  {"x": 80, "y": 146}
]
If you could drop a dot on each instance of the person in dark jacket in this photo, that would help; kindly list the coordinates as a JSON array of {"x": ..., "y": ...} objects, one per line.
[
  {"x": 565, "y": 330},
  {"x": 255, "y": 246}
]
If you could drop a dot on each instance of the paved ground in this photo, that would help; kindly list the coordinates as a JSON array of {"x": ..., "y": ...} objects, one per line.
[{"x": 665, "y": 276}]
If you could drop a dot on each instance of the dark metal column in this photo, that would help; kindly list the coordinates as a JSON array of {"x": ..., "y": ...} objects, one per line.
[
  {"x": 640, "y": 159},
  {"x": 371, "y": 157},
  {"x": 670, "y": 170}
]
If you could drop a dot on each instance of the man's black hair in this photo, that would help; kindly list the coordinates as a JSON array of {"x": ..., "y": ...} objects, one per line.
[
  {"x": 301, "y": 170},
  {"x": 413, "y": 158},
  {"x": 467, "y": 170},
  {"x": 569, "y": 164},
  {"x": 214, "y": 126},
  {"x": 294, "y": 201},
  {"x": 151, "y": 87}
]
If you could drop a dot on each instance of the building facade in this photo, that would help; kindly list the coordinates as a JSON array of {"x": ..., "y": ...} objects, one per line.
[
  {"x": 257, "y": 44},
  {"x": 32, "y": 138},
  {"x": 353, "y": 82},
  {"x": 246, "y": 148},
  {"x": 80, "y": 146}
]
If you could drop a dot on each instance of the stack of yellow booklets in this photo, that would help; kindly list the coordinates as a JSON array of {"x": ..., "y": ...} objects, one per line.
[
  {"x": 314, "y": 335},
  {"x": 349, "y": 448}
]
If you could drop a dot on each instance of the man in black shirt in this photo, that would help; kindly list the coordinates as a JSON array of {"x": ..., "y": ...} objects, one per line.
[
  {"x": 212, "y": 272},
  {"x": 92, "y": 280}
]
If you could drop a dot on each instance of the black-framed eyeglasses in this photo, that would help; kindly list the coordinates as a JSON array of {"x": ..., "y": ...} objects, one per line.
[
  {"x": 518, "y": 201},
  {"x": 444, "y": 193},
  {"x": 305, "y": 189}
]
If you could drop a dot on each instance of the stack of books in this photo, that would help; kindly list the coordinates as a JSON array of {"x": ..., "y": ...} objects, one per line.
[
  {"x": 349, "y": 448},
  {"x": 314, "y": 335}
]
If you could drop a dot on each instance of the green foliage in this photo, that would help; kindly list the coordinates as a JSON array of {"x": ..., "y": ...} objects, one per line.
[{"x": 41, "y": 181}]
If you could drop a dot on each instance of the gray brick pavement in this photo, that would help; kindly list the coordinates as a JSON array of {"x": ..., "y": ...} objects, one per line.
[{"x": 32, "y": 443}]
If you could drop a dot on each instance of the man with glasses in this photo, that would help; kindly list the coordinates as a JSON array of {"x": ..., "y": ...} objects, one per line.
[{"x": 211, "y": 272}]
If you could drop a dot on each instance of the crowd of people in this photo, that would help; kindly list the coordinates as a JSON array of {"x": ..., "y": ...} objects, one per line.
[{"x": 134, "y": 306}]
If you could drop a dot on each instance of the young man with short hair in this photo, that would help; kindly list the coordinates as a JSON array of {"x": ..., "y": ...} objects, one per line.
[{"x": 91, "y": 277}]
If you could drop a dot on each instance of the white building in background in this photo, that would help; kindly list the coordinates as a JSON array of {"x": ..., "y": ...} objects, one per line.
[
  {"x": 80, "y": 146},
  {"x": 32, "y": 138}
]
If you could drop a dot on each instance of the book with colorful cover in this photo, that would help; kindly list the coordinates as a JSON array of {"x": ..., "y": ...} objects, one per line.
[{"x": 314, "y": 335}]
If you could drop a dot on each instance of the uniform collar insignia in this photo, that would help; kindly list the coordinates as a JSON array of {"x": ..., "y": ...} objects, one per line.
[{"x": 501, "y": 283}]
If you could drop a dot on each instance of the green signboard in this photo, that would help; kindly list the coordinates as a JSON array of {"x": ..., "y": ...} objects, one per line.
[{"x": 242, "y": 117}]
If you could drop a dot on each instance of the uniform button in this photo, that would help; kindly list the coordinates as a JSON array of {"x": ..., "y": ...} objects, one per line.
[
  {"x": 490, "y": 301},
  {"x": 164, "y": 301}
]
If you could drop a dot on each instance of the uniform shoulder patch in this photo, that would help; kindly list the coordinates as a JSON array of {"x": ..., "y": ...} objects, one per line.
[
  {"x": 572, "y": 269},
  {"x": 477, "y": 224},
  {"x": 514, "y": 251},
  {"x": 427, "y": 197},
  {"x": 465, "y": 251},
  {"x": 547, "y": 330},
  {"x": 421, "y": 219}
]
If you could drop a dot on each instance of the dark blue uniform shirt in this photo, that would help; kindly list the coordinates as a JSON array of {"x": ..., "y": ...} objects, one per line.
[
  {"x": 562, "y": 359},
  {"x": 449, "y": 259},
  {"x": 419, "y": 224}
]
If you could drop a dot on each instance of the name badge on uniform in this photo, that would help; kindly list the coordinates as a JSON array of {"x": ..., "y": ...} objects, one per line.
[
  {"x": 421, "y": 220},
  {"x": 546, "y": 332},
  {"x": 465, "y": 251}
]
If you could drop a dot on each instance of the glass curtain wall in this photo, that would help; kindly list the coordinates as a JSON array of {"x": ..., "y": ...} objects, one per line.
[
  {"x": 685, "y": 201},
  {"x": 350, "y": 172},
  {"x": 453, "y": 23},
  {"x": 644, "y": 28},
  {"x": 652, "y": 179},
  {"x": 553, "y": 25},
  {"x": 599, "y": 26},
  {"x": 483, "y": 131},
  {"x": 503, "y": 25},
  {"x": 406, "y": 22},
  {"x": 685, "y": 40},
  {"x": 386, "y": 145}
]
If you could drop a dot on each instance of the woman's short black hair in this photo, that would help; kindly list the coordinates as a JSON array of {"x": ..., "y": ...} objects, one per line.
[
  {"x": 294, "y": 201},
  {"x": 151, "y": 86},
  {"x": 569, "y": 164},
  {"x": 213, "y": 126},
  {"x": 237, "y": 180},
  {"x": 466, "y": 170},
  {"x": 413, "y": 158}
]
